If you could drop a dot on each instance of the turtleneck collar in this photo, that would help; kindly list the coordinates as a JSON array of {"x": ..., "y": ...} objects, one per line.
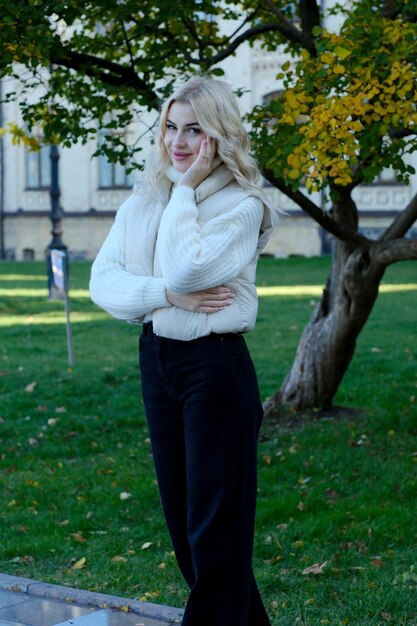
[{"x": 219, "y": 178}]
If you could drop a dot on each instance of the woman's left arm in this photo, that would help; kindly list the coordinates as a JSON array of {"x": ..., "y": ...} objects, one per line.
[{"x": 194, "y": 257}]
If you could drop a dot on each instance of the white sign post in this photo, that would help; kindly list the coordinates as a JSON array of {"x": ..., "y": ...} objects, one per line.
[{"x": 60, "y": 278}]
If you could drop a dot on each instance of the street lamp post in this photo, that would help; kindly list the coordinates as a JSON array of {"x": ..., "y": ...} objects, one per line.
[{"x": 56, "y": 217}]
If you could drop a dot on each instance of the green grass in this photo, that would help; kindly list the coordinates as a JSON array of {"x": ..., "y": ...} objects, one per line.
[{"x": 336, "y": 489}]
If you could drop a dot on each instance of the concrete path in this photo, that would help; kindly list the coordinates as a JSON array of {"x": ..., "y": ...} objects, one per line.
[{"x": 25, "y": 602}]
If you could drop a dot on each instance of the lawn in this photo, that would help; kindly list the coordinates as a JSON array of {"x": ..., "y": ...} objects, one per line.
[{"x": 78, "y": 500}]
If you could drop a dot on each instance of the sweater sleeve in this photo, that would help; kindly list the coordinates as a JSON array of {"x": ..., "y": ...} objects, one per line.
[
  {"x": 121, "y": 293},
  {"x": 194, "y": 257}
]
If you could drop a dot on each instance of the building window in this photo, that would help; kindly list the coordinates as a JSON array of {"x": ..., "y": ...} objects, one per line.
[
  {"x": 113, "y": 175},
  {"x": 38, "y": 169},
  {"x": 272, "y": 95},
  {"x": 388, "y": 176}
]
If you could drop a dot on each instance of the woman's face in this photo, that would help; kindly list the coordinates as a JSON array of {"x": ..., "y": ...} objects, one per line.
[{"x": 183, "y": 135}]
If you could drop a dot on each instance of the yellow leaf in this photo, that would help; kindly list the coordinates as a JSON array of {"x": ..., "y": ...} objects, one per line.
[
  {"x": 327, "y": 58},
  {"x": 146, "y": 545},
  {"x": 341, "y": 53},
  {"x": 339, "y": 69},
  {"x": 80, "y": 563},
  {"x": 294, "y": 174},
  {"x": 119, "y": 559}
]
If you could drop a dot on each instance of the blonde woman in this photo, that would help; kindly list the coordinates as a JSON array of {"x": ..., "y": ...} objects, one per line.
[{"x": 181, "y": 259}]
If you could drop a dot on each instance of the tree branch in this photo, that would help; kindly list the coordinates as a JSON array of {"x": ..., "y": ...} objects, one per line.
[
  {"x": 387, "y": 252},
  {"x": 107, "y": 71},
  {"x": 343, "y": 233},
  {"x": 390, "y": 9},
  {"x": 402, "y": 223},
  {"x": 129, "y": 47},
  {"x": 310, "y": 17},
  {"x": 248, "y": 34},
  {"x": 290, "y": 31},
  {"x": 190, "y": 27}
]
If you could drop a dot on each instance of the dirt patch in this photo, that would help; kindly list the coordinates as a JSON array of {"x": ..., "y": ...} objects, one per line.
[{"x": 289, "y": 419}]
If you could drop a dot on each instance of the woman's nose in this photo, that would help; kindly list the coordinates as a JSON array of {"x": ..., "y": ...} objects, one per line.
[{"x": 179, "y": 139}]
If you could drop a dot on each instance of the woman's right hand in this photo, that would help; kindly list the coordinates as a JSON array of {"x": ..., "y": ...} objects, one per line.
[{"x": 206, "y": 301}]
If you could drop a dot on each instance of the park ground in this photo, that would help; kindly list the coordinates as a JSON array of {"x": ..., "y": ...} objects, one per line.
[{"x": 336, "y": 520}]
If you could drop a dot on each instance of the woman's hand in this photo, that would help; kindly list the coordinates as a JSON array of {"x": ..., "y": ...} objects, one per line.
[
  {"x": 206, "y": 301},
  {"x": 202, "y": 166}
]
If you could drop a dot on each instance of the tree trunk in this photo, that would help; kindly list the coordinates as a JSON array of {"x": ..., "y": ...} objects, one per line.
[{"x": 328, "y": 342}]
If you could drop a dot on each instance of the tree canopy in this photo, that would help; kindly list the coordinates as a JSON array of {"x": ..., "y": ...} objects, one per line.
[{"x": 109, "y": 60}]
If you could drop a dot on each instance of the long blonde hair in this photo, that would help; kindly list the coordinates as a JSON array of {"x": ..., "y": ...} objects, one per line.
[{"x": 217, "y": 113}]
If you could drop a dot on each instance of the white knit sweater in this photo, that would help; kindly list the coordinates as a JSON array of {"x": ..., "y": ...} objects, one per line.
[{"x": 203, "y": 238}]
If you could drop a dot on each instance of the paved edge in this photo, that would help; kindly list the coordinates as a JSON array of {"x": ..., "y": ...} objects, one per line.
[{"x": 80, "y": 597}]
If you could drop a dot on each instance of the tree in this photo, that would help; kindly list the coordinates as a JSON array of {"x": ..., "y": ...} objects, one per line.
[{"x": 348, "y": 110}]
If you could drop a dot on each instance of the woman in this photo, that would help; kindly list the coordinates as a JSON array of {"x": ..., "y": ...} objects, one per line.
[{"x": 181, "y": 258}]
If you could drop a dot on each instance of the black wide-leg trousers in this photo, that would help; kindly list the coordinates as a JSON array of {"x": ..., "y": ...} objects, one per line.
[{"x": 204, "y": 412}]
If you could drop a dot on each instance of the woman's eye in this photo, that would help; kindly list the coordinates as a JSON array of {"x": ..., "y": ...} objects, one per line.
[
  {"x": 194, "y": 131},
  {"x": 170, "y": 127}
]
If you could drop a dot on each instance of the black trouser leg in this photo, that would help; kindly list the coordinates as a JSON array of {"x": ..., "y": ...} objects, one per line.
[{"x": 203, "y": 408}]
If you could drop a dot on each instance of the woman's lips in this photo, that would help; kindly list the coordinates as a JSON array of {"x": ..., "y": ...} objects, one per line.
[{"x": 179, "y": 156}]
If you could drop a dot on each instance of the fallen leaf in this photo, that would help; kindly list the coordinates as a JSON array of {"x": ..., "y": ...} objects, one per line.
[
  {"x": 406, "y": 577},
  {"x": 22, "y": 559},
  {"x": 80, "y": 563},
  {"x": 267, "y": 459},
  {"x": 146, "y": 545},
  {"x": 70, "y": 435},
  {"x": 30, "y": 387},
  {"x": 386, "y": 616},
  {"x": 119, "y": 559},
  {"x": 125, "y": 495},
  {"x": 32, "y": 441},
  {"x": 332, "y": 494},
  {"x": 60, "y": 409},
  {"x": 317, "y": 568},
  {"x": 78, "y": 537},
  {"x": 276, "y": 559},
  {"x": 53, "y": 421}
]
